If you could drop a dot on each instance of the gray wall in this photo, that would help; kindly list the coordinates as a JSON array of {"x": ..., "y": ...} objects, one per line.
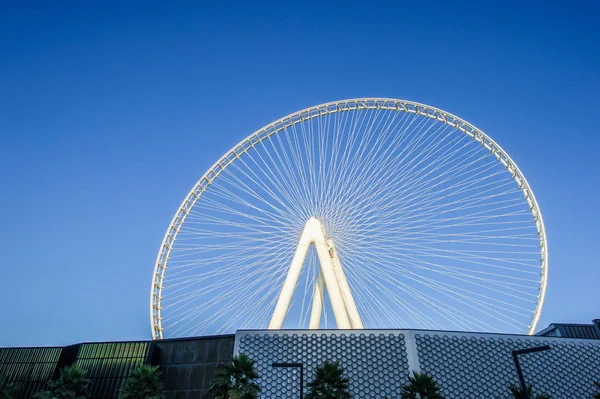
[
  {"x": 466, "y": 365},
  {"x": 188, "y": 365}
]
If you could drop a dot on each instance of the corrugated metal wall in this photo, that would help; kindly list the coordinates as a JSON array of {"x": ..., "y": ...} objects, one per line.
[
  {"x": 109, "y": 364},
  {"x": 187, "y": 365},
  {"x": 583, "y": 331},
  {"x": 30, "y": 368}
]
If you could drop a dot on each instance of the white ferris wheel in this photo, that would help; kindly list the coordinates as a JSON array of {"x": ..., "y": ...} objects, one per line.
[{"x": 362, "y": 213}]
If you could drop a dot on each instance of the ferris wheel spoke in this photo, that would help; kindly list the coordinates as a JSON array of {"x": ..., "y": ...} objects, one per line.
[
  {"x": 287, "y": 195},
  {"x": 338, "y": 186},
  {"x": 397, "y": 170},
  {"x": 381, "y": 192},
  {"x": 280, "y": 207},
  {"x": 448, "y": 312},
  {"x": 393, "y": 249},
  {"x": 473, "y": 303},
  {"x": 183, "y": 282},
  {"x": 440, "y": 269},
  {"x": 377, "y": 153},
  {"x": 226, "y": 211},
  {"x": 467, "y": 257},
  {"x": 434, "y": 200},
  {"x": 464, "y": 277},
  {"x": 295, "y": 151},
  {"x": 433, "y": 222},
  {"x": 251, "y": 301},
  {"x": 368, "y": 284},
  {"x": 288, "y": 177},
  {"x": 513, "y": 241},
  {"x": 386, "y": 197},
  {"x": 469, "y": 280},
  {"x": 228, "y": 260},
  {"x": 387, "y": 151},
  {"x": 384, "y": 307},
  {"x": 451, "y": 164},
  {"x": 205, "y": 307},
  {"x": 409, "y": 165},
  {"x": 452, "y": 292},
  {"x": 347, "y": 181},
  {"x": 359, "y": 161},
  {"x": 411, "y": 207},
  {"x": 240, "y": 265},
  {"x": 510, "y": 233},
  {"x": 402, "y": 273},
  {"x": 178, "y": 302}
]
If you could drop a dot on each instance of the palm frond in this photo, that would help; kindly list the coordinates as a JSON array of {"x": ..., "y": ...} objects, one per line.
[
  {"x": 235, "y": 379},
  {"x": 421, "y": 386},
  {"x": 144, "y": 383}
]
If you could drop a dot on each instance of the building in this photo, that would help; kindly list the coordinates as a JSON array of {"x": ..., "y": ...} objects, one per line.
[
  {"x": 377, "y": 362},
  {"x": 563, "y": 330},
  {"x": 187, "y": 364}
]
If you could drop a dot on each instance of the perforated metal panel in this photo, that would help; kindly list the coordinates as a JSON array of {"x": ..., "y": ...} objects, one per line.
[
  {"x": 375, "y": 362},
  {"x": 469, "y": 365},
  {"x": 465, "y": 365}
]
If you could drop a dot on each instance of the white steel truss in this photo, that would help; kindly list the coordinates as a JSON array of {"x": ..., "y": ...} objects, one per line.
[{"x": 331, "y": 275}]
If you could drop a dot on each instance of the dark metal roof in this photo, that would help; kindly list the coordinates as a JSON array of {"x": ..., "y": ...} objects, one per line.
[{"x": 566, "y": 330}]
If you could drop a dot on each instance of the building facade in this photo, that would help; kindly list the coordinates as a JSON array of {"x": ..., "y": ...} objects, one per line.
[
  {"x": 377, "y": 362},
  {"x": 465, "y": 365}
]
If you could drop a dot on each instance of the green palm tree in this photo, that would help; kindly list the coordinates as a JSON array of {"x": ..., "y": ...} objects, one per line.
[
  {"x": 517, "y": 393},
  {"x": 235, "y": 379},
  {"x": 421, "y": 386},
  {"x": 7, "y": 389},
  {"x": 144, "y": 383},
  {"x": 329, "y": 383},
  {"x": 71, "y": 384}
]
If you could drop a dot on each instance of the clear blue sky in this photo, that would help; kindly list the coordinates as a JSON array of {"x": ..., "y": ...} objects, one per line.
[{"x": 110, "y": 112}]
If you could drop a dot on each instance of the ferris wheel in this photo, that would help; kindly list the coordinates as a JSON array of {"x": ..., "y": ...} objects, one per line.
[{"x": 362, "y": 213}]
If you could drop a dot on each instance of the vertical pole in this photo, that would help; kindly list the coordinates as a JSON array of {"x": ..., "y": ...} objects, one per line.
[
  {"x": 294, "y": 365},
  {"x": 520, "y": 373},
  {"x": 518, "y": 352}
]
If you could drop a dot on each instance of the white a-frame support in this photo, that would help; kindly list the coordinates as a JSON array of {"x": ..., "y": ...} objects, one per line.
[{"x": 330, "y": 275}]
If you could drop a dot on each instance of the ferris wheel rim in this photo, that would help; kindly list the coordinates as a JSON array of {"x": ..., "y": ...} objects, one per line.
[{"x": 317, "y": 111}]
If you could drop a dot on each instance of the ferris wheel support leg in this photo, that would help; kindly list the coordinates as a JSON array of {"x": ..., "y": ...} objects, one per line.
[
  {"x": 285, "y": 296},
  {"x": 333, "y": 289},
  {"x": 345, "y": 291},
  {"x": 318, "y": 302}
]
